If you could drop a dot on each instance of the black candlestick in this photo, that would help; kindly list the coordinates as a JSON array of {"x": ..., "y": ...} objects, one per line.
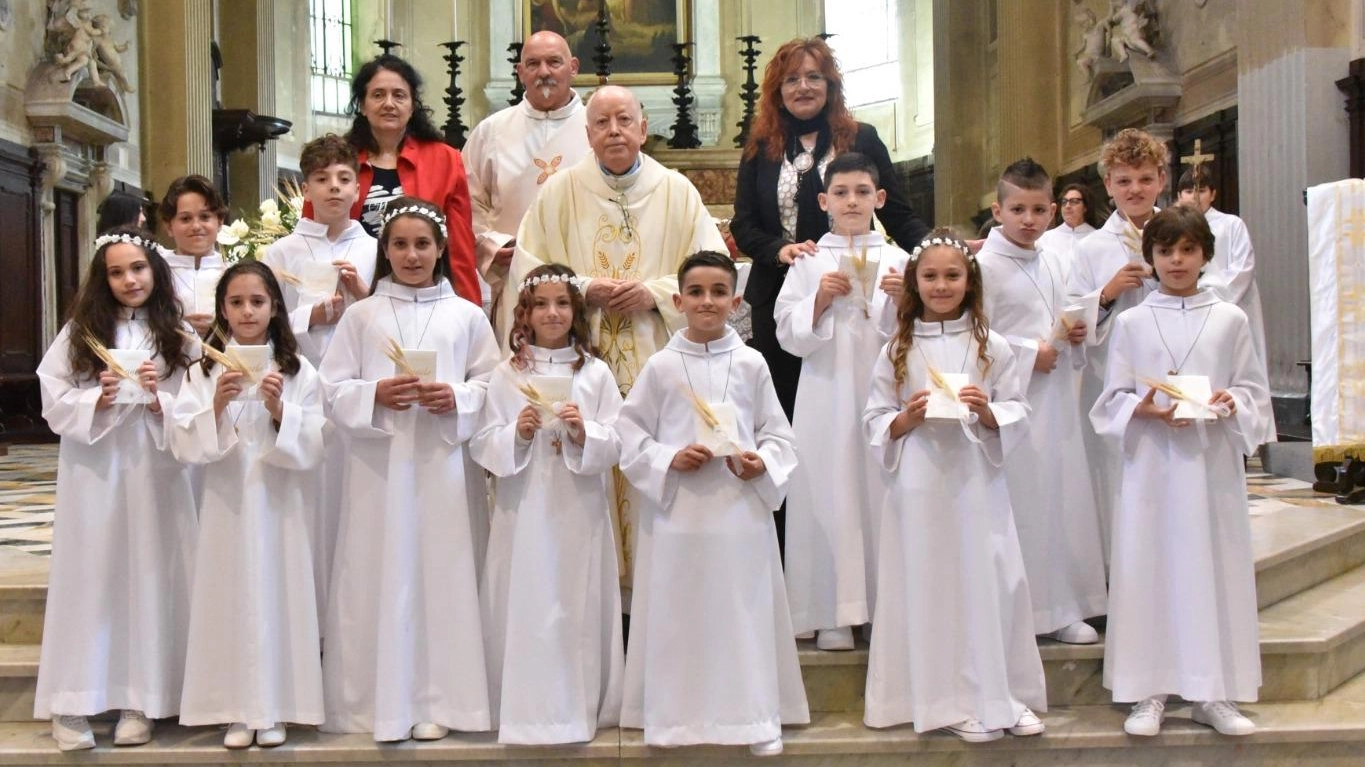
[
  {"x": 748, "y": 93},
  {"x": 518, "y": 90},
  {"x": 684, "y": 130},
  {"x": 826, "y": 35},
  {"x": 387, "y": 46},
  {"x": 454, "y": 99},
  {"x": 602, "y": 56}
]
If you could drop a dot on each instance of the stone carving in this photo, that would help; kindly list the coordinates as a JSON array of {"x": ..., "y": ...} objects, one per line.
[
  {"x": 1129, "y": 28},
  {"x": 1094, "y": 39},
  {"x": 81, "y": 40}
]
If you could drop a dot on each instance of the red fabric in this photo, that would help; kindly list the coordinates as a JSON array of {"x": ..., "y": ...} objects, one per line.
[{"x": 433, "y": 171}]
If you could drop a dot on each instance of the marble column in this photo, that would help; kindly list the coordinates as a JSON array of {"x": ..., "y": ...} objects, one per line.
[
  {"x": 175, "y": 93},
  {"x": 961, "y": 113}
]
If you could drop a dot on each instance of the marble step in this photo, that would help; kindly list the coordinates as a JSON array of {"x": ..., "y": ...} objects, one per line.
[
  {"x": 1310, "y": 643},
  {"x": 1326, "y": 732}
]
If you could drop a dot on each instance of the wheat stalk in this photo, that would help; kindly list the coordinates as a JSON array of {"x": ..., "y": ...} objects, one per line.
[
  {"x": 288, "y": 277},
  {"x": 1067, "y": 327},
  {"x": 102, "y": 352},
  {"x": 533, "y": 395},
  {"x": 400, "y": 360},
  {"x": 708, "y": 416},
  {"x": 941, "y": 383}
]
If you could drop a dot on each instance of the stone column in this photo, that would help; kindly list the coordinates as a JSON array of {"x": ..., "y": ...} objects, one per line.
[
  {"x": 1029, "y": 74},
  {"x": 960, "y": 121},
  {"x": 175, "y": 90},
  {"x": 247, "y": 39}
]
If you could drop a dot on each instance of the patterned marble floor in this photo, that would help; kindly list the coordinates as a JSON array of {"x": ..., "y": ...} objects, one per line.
[{"x": 28, "y": 480}]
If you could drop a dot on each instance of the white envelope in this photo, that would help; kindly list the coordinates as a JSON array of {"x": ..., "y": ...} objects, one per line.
[
  {"x": 555, "y": 389},
  {"x": 724, "y": 438},
  {"x": 317, "y": 282},
  {"x": 205, "y": 291},
  {"x": 1086, "y": 310},
  {"x": 257, "y": 359},
  {"x": 422, "y": 362},
  {"x": 1199, "y": 389},
  {"x": 941, "y": 406},
  {"x": 864, "y": 284},
  {"x": 129, "y": 392}
]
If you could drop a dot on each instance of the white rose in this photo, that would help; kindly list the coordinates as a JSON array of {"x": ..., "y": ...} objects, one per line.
[
  {"x": 271, "y": 219},
  {"x": 227, "y": 237},
  {"x": 269, "y": 206}
]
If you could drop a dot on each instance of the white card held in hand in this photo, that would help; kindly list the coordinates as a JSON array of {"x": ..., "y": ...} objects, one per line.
[
  {"x": 257, "y": 359},
  {"x": 130, "y": 392},
  {"x": 863, "y": 280},
  {"x": 722, "y": 438},
  {"x": 317, "y": 282},
  {"x": 422, "y": 362},
  {"x": 1197, "y": 388},
  {"x": 942, "y": 405},
  {"x": 205, "y": 291},
  {"x": 1070, "y": 316}
]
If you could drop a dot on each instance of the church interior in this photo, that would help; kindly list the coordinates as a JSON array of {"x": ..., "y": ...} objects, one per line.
[{"x": 1270, "y": 94}]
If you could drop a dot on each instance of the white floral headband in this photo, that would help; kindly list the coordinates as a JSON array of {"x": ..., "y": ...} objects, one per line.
[
  {"x": 933, "y": 242},
  {"x": 580, "y": 283},
  {"x": 433, "y": 216},
  {"x": 131, "y": 239}
]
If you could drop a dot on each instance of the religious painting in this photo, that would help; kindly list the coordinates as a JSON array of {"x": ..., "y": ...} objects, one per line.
[{"x": 641, "y": 34}]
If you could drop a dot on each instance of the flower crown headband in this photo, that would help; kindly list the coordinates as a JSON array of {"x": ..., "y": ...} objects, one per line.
[
  {"x": 933, "y": 242},
  {"x": 431, "y": 215},
  {"x": 131, "y": 239},
  {"x": 579, "y": 283}
]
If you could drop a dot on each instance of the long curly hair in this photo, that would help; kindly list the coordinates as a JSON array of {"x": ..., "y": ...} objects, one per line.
[
  {"x": 420, "y": 125},
  {"x": 278, "y": 330},
  {"x": 522, "y": 337},
  {"x": 96, "y": 311},
  {"x": 768, "y": 130},
  {"x": 911, "y": 306}
]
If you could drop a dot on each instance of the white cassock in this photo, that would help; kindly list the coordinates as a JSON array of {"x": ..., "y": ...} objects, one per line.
[
  {"x": 195, "y": 283},
  {"x": 1063, "y": 239},
  {"x": 837, "y": 489},
  {"x": 712, "y": 655},
  {"x": 954, "y": 638},
  {"x": 509, "y": 156},
  {"x": 253, "y": 638},
  {"x": 1098, "y": 259},
  {"x": 123, "y": 537},
  {"x": 1182, "y": 607},
  {"x": 1232, "y": 273},
  {"x": 309, "y": 244},
  {"x": 1049, "y": 478},
  {"x": 404, "y": 640},
  {"x": 551, "y": 593}
]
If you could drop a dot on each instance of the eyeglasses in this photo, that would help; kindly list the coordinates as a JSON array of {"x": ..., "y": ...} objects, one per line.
[
  {"x": 1073, "y": 201},
  {"x": 812, "y": 80}
]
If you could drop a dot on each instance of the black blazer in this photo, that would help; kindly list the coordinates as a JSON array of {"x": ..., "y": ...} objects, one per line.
[{"x": 757, "y": 223}]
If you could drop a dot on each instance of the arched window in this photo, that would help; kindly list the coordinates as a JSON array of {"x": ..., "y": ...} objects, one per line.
[{"x": 330, "y": 24}]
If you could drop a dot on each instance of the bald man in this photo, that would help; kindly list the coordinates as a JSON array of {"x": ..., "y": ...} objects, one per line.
[{"x": 512, "y": 153}]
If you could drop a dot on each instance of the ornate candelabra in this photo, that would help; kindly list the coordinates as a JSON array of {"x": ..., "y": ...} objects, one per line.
[
  {"x": 386, "y": 46},
  {"x": 602, "y": 51},
  {"x": 454, "y": 98},
  {"x": 684, "y": 130},
  {"x": 518, "y": 90},
  {"x": 748, "y": 93}
]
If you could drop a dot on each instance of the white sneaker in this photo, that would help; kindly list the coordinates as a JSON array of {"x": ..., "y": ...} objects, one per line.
[
  {"x": 1146, "y": 718},
  {"x": 1222, "y": 716},
  {"x": 429, "y": 731},
  {"x": 72, "y": 733},
  {"x": 973, "y": 731},
  {"x": 238, "y": 736},
  {"x": 1079, "y": 632},
  {"x": 767, "y": 748},
  {"x": 1028, "y": 724},
  {"x": 133, "y": 728},
  {"x": 835, "y": 639},
  {"x": 271, "y": 736}
]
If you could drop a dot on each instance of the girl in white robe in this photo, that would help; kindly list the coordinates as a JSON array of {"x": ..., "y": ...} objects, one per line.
[
  {"x": 837, "y": 489},
  {"x": 253, "y": 659},
  {"x": 1182, "y": 604},
  {"x": 125, "y": 522},
  {"x": 712, "y": 656},
  {"x": 550, "y": 591},
  {"x": 953, "y": 644},
  {"x": 404, "y": 655}
]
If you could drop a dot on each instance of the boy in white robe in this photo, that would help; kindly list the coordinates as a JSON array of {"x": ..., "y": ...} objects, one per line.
[
  {"x": 193, "y": 212},
  {"x": 837, "y": 321},
  {"x": 1108, "y": 270},
  {"x": 1182, "y": 616},
  {"x": 712, "y": 657},
  {"x": 1049, "y": 479}
]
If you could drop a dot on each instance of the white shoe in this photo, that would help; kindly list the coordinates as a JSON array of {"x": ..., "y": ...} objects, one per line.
[
  {"x": 1079, "y": 632},
  {"x": 429, "y": 731},
  {"x": 835, "y": 639},
  {"x": 238, "y": 736},
  {"x": 133, "y": 728},
  {"x": 271, "y": 736},
  {"x": 72, "y": 733},
  {"x": 767, "y": 748},
  {"x": 1028, "y": 724},
  {"x": 973, "y": 731},
  {"x": 1145, "y": 720},
  {"x": 1222, "y": 716}
]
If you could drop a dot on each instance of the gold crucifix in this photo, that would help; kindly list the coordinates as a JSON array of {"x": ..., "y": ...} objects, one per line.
[{"x": 1196, "y": 161}]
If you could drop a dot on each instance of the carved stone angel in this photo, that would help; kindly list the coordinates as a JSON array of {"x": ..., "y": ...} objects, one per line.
[
  {"x": 1128, "y": 29},
  {"x": 1094, "y": 38}
]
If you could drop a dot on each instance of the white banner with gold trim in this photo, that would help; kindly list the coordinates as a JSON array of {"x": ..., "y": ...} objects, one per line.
[{"x": 1336, "y": 285}]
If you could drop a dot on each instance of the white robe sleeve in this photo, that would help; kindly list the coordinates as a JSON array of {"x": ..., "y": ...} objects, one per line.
[
  {"x": 301, "y": 316},
  {"x": 297, "y": 443},
  {"x": 494, "y": 445},
  {"x": 349, "y": 398},
  {"x": 482, "y": 357},
  {"x": 601, "y": 448},
  {"x": 1007, "y": 403},
  {"x": 199, "y": 436},
  {"x": 1246, "y": 427},
  {"x": 775, "y": 442},
  {"x": 797, "y": 331},
  {"x": 645, "y": 461},
  {"x": 69, "y": 407},
  {"x": 1240, "y": 273},
  {"x": 883, "y": 405},
  {"x": 1113, "y": 410},
  {"x": 479, "y": 160},
  {"x": 1083, "y": 284}
]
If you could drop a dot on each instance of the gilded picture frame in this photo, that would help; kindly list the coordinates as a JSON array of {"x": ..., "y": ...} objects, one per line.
[{"x": 642, "y": 34}]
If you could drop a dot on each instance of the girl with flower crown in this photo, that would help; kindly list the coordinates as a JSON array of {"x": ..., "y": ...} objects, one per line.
[
  {"x": 124, "y": 526},
  {"x": 952, "y": 643},
  {"x": 405, "y": 379},
  {"x": 551, "y": 593}
]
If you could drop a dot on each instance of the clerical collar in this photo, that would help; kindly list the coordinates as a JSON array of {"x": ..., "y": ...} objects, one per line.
[
  {"x": 387, "y": 286},
  {"x": 1159, "y": 300},
  {"x": 623, "y": 180},
  {"x": 997, "y": 242},
  {"x": 562, "y": 356},
  {"x": 728, "y": 342},
  {"x": 962, "y": 324},
  {"x": 572, "y": 105}
]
